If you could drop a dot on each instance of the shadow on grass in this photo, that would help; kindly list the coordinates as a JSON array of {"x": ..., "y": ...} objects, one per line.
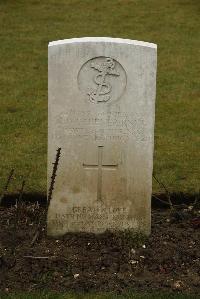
[
  {"x": 10, "y": 199},
  {"x": 157, "y": 200}
]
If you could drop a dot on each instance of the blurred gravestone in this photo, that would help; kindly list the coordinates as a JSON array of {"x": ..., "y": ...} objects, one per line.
[{"x": 101, "y": 114}]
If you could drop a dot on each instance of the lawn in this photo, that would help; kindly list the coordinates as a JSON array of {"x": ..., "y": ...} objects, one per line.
[
  {"x": 26, "y": 27},
  {"x": 97, "y": 296}
]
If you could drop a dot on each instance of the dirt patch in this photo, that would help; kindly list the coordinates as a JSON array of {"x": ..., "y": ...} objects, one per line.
[{"x": 168, "y": 260}]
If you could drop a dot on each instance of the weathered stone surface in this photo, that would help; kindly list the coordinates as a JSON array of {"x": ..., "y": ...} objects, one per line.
[{"x": 101, "y": 114}]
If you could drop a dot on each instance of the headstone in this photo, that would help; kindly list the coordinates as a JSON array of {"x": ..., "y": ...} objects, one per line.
[{"x": 101, "y": 115}]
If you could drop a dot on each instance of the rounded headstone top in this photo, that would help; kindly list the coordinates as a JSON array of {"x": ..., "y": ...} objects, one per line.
[{"x": 102, "y": 39}]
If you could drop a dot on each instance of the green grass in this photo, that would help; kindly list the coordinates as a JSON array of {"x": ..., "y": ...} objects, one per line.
[
  {"x": 99, "y": 296},
  {"x": 26, "y": 27}
]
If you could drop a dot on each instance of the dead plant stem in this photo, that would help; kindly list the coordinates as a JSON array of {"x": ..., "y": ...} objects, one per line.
[{"x": 5, "y": 189}]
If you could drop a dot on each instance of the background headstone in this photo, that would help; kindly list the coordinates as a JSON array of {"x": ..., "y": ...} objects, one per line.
[{"x": 101, "y": 114}]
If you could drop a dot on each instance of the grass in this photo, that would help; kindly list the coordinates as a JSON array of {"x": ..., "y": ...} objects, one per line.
[
  {"x": 100, "y": 296},
  {"x": 26, "y": 27}
]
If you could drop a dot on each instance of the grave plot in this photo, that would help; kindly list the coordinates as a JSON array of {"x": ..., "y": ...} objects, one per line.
[{"x": 168, "y": 260}]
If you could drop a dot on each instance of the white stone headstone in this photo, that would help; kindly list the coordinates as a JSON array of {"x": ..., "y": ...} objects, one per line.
[{"x": 101, "y": 114}]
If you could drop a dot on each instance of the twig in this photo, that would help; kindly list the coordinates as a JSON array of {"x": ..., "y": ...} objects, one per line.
[
  {"x": 195, "y": 203},
  {"x": 160, "y": 183},
  {"x": 51, "y": 187},
  {"x": 5, "y": 189},
  {"x": 21, "y": 191},
  {"x": 168, "y": 193},
  {"x": 36, "y": 235},
  {"x": 197, "y": 199},
  {"x": 55, "y": 167},
  {"x": 16, "y": 220},
  {"x": 18, "y": 203},
  {"x": 162, "y": 201},
  {"x": 39, "y": 257}
]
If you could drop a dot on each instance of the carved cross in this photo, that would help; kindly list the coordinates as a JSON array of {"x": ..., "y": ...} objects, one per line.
[{"x": 100, "y": 166}]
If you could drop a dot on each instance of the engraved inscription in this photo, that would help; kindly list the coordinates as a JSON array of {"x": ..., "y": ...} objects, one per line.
[
  {"x": 101, "y": 126},
  {"x": 90, "y": 217},
  {"x": 102, "y": 80},
  {"x": 100, "y": 166}
]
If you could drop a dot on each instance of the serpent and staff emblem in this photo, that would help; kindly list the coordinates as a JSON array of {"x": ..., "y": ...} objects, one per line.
[
  {"x": 103, "y": 88},
  {"x": 102, "y": 80}
]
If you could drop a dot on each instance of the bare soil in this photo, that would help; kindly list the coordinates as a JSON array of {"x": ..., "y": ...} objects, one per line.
[{"x": 169, "y": 260}]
